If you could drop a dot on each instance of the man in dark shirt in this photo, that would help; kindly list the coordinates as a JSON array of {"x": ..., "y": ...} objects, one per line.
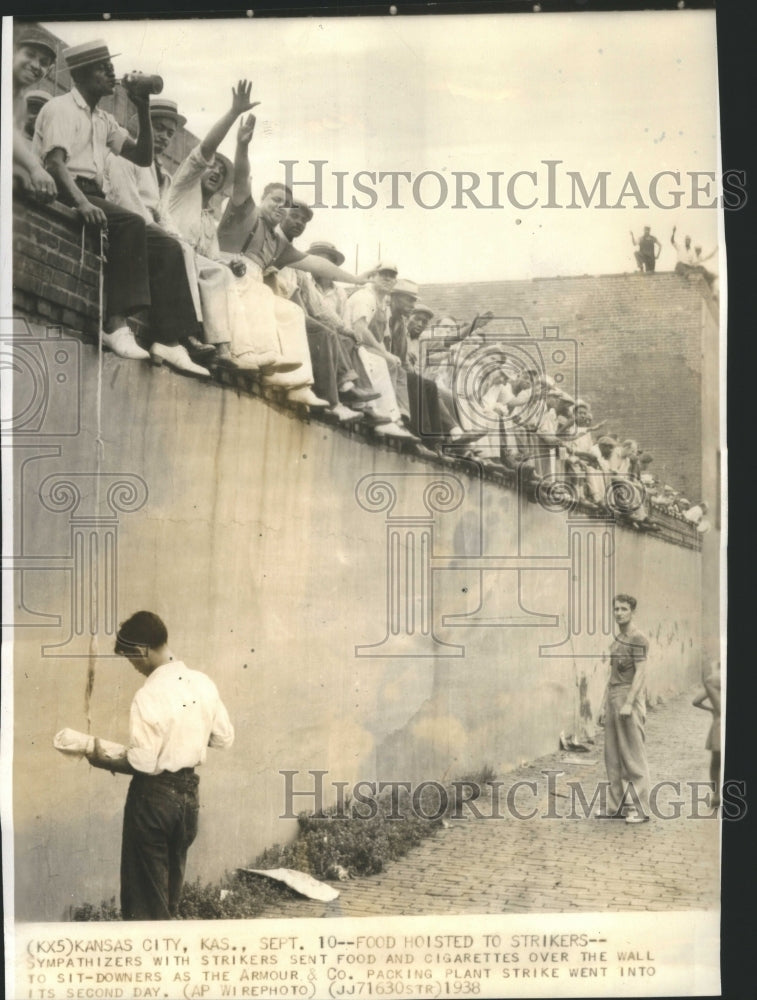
[
  {"x": 649, "y": 250},
  {"x": 624, "y": 714},
  {"x": 254, "y": 231}
]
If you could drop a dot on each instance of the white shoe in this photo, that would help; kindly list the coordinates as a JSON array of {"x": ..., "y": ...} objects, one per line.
[
  {"x": 344, "y": 414},
  {"x": 306, "y": 397},
  {"x": 393, "y": 430},
  {"x": 176, "y": 357},
  {"x": 268, "y": 363},
  {"x": 123, "y": 343}
]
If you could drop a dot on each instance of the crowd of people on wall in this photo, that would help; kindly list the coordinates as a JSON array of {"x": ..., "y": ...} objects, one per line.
[{"x": 228, "y": 288}]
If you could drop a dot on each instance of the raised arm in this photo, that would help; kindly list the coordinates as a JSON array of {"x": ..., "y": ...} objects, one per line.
[
  {"x": 633, "y": 238},
  {"x": 242, "y": 189},
  {"x": 673, "y": 237},
  {"x": 140, "y": 152},
  {"x": 323, "y": 268},
  {"x": 240, "y": 102}
]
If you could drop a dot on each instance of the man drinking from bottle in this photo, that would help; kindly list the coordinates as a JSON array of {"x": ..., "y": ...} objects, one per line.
[{"x": 145, "y": 267}]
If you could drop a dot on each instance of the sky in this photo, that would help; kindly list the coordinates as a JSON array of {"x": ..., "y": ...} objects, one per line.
[{"x": 482, "y": 94}]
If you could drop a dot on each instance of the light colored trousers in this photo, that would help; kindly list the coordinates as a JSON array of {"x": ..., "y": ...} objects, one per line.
[
  {"x": 265, "y": 322},
  {"x": 625, "y": 752},
  {"x": 377, "y": 371}
]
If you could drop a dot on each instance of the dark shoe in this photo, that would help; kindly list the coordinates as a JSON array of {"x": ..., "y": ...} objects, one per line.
[
  {"x": 199, "y": 351},
  {"x": 466, "y": 437},
  {"x": 358, "y": 395},
  {"x": 373, "y": 419},
  {"x": 224, "y": 362},
  {"x": 603, "y": 815},
  {"x": 422, "y": 451}
]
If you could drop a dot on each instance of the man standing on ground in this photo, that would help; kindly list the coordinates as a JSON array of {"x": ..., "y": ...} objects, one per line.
[
  {"x": 623, "y": 714},
  {"x": 175, "y": 716}
]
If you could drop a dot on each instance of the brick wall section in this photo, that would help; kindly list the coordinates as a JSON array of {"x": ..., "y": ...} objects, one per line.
[
  {"x": 639, "y": 347},
  {"x": 52, "y": 281}
]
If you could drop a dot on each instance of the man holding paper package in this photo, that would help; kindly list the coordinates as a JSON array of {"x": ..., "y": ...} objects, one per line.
[{"x": 175, "y": 716}]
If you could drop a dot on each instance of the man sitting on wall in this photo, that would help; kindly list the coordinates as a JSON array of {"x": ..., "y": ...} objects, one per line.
[
  {"x": 33, "y": 55},
  {"x": 431, "y": 413},
  {"x": 331, "y": 345},
  {"x": 254, "y": 231},
  {"x": 144, "y": 190},
  {"x": 145, "y": 268},
  {"x": 365, "y": 313}
]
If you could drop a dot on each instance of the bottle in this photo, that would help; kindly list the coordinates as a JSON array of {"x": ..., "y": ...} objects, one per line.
[{"x": 142, "y": 83}]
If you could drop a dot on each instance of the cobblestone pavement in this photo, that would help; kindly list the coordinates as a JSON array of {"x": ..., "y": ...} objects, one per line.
[{"x": 559, "y": 864}]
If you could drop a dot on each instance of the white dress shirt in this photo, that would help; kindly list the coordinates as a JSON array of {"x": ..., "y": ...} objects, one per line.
[
  {"x": 175, "y": 716},
  {"x": 85, "y": 136}
]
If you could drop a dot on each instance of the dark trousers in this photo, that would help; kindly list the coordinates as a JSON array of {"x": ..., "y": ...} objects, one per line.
[
  {"x": 429, "y": 414},
  {"x": 331, "y": 358},
  {"x": 160, "y": 823},
  {"x": 645, "y": 262},
  {"x": 324, "y": 357},
  {"x": 145, "y": 270}
]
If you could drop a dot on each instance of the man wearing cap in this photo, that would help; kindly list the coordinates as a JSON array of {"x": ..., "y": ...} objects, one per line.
[
  {"x": 366, "y": 314},
  {"x": 254, "y": 231},
  {"x": 604, "y": 459},
  {"x": 323, "y": 300},
  {"x": 145, "y": 268},
  {"x": 175, "y": 716},
  {"x": 420, "y": 317},
  {"x": 334, "y": 295},
  {"x": 33, "y": 55},
  {"x": 430, "y": 419}
]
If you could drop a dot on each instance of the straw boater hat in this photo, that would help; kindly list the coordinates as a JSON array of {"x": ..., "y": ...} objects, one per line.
[
  {"x": 37, "y": 97},
  {"x": 323, "y": 249},
  {"x": 162, "y": 107},
  {"x": 88, "y": 53}
]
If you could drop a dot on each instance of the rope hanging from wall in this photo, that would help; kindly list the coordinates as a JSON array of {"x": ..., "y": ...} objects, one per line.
[{"x": 99, "y": 448}]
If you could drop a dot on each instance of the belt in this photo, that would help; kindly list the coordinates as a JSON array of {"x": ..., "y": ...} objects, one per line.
[{"x": 184, "y": 777}]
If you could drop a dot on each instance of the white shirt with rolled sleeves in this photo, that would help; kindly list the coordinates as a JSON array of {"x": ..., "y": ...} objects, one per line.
[
  {"x": 195, "y": 223},
  {"x": 85, "y": 136},
  {"x": 139, "y": 190},
  {"x": 175, "y": 716}
]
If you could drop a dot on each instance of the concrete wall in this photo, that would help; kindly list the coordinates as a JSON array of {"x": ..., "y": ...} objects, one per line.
[{"x": 240, "y": 526}]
